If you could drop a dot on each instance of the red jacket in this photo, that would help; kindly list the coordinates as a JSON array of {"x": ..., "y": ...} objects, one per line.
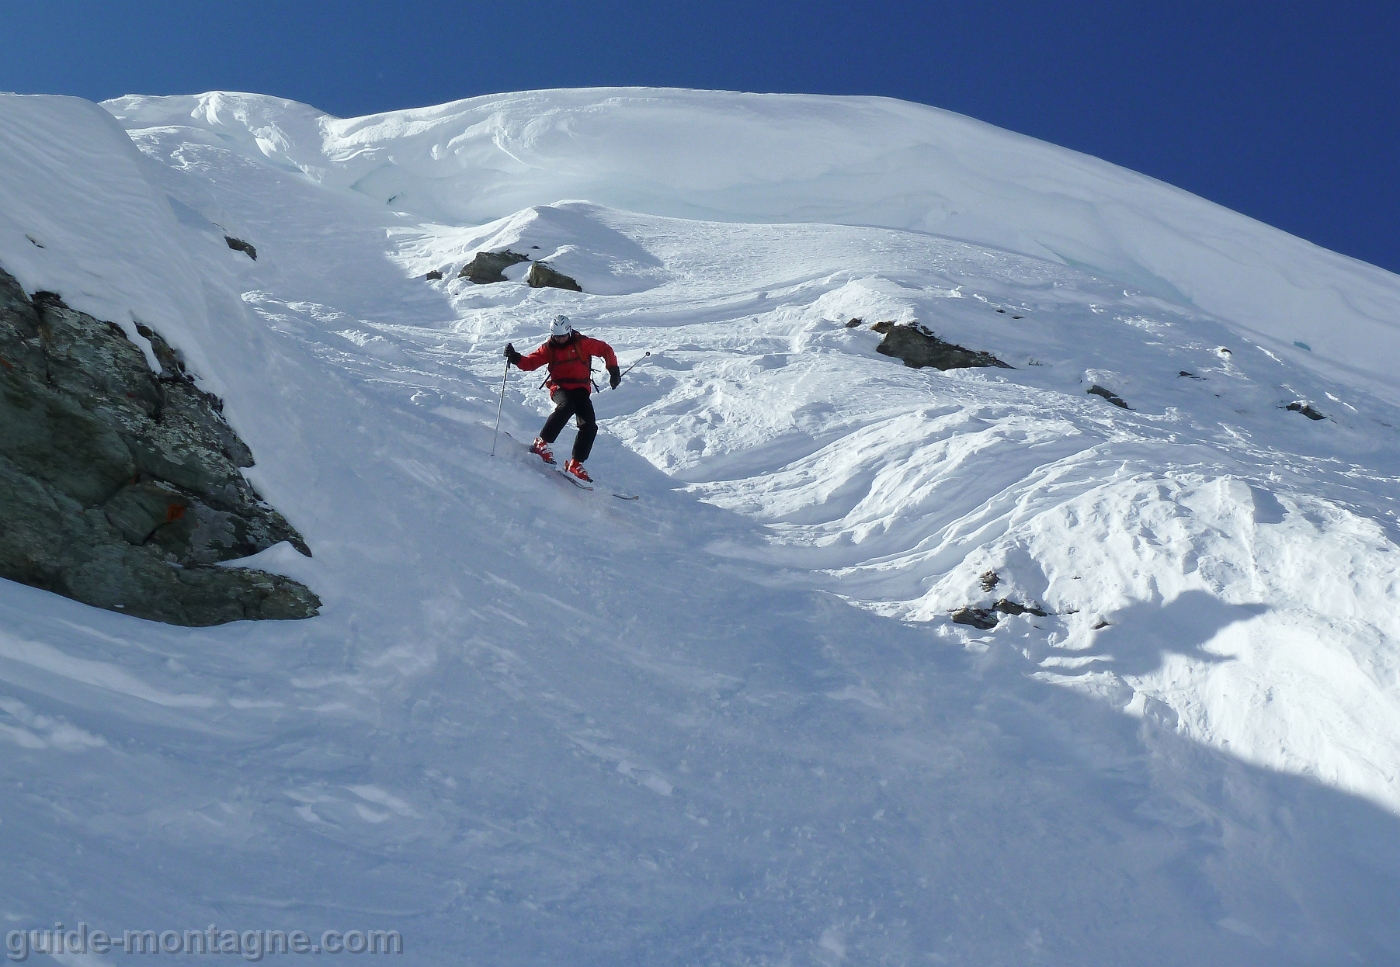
[{"x": 570, "y": 365}]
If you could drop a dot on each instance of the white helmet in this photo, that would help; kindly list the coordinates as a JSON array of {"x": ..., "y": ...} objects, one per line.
[{"x": 561, "y": 326}]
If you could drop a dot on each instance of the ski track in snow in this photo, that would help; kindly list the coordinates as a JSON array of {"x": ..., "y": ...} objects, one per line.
[{"x": 731, "y": 722}]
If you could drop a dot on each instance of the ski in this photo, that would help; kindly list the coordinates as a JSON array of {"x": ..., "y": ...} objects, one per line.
[
  {"x": 584, "y": 485},
  {"x": 580, "y": 484}
]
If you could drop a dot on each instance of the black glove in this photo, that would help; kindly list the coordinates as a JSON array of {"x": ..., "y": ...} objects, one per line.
[
  {"x": 512, "y": 355},
  {"x": 614, "y": 376}
]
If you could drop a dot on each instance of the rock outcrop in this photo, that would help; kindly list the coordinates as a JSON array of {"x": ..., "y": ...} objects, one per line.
[
  {"x": 238, "y": 245},
  {"x": 919, "y": 348},
  {"x": 986, "y": 618},
  {"x": 487, "y": 267},
  {"x": 542, "y": 276},
  {"x": 1112, "y": 397},
  {"x": 120, "y": 487}
]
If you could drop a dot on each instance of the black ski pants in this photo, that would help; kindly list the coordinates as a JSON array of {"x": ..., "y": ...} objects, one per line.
[{"x": 567, "y": 403}]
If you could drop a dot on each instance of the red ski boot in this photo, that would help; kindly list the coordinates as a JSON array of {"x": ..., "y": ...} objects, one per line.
[
  {"x": 576, "y": 469},
  {"x": 541, "y": 449}
]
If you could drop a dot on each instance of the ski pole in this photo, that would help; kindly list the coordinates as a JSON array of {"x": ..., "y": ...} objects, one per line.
[
  {"x": 496, "y": 432},
  {"x": 634, "y": 365}
]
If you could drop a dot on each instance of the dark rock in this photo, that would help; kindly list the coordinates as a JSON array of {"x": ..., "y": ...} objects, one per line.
[
  {"x": 853, "y": 323},
  {"x": 488, "y": 266},
  {"x": 238, "y": 245},
  {"x": 1011, "y": 607},
  {"x": 433, "y": 275},
  {"x": 137, "y": 511},
  {"x": 989, "y": 580},
  {"x": 1112, "y": 397},
  {"x": 542, "y": 276},
  {"x": 983, "y": 618},
  {"x": 51, "y": 438},
  {"x": 93, "y": 363},
  {"x": 918, "y": 348},
  {"x": 1299, "y": 406},
  {"x": 1188, "y": 375},
  {"x": 120, "y": 487},
  {"x": 172, "y": 364},
  {"x": 882, "y": 327},
  {"x": 986, "y": 618},
  {"x": 19, "y": 329}
]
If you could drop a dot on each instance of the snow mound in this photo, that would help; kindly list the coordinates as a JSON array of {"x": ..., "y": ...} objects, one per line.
[{"x": 575, "y": 238}]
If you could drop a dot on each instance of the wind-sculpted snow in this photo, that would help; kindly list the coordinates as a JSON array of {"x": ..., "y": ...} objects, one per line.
[
  {"x": 731, "y": 722},
  {"x": 570, "y": 237},
  {"x": 849, "y": 160}
]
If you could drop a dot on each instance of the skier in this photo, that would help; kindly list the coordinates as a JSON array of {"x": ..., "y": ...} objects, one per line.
[{"x": 569, "y": 355}]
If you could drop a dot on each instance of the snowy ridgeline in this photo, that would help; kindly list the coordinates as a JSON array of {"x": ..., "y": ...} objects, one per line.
[{"x": 735, "y": 721}]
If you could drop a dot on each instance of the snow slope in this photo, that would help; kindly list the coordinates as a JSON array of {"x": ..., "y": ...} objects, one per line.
[
  {"x": 846, "y": 160},
  {"x": 730, "y": 722}
]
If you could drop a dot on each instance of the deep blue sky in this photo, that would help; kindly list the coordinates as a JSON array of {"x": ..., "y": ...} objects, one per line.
[{"x": 1286, "y": 111}]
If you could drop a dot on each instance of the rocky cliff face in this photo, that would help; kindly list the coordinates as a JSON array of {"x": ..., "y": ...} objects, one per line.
[{"x": 120, "y": 487}]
